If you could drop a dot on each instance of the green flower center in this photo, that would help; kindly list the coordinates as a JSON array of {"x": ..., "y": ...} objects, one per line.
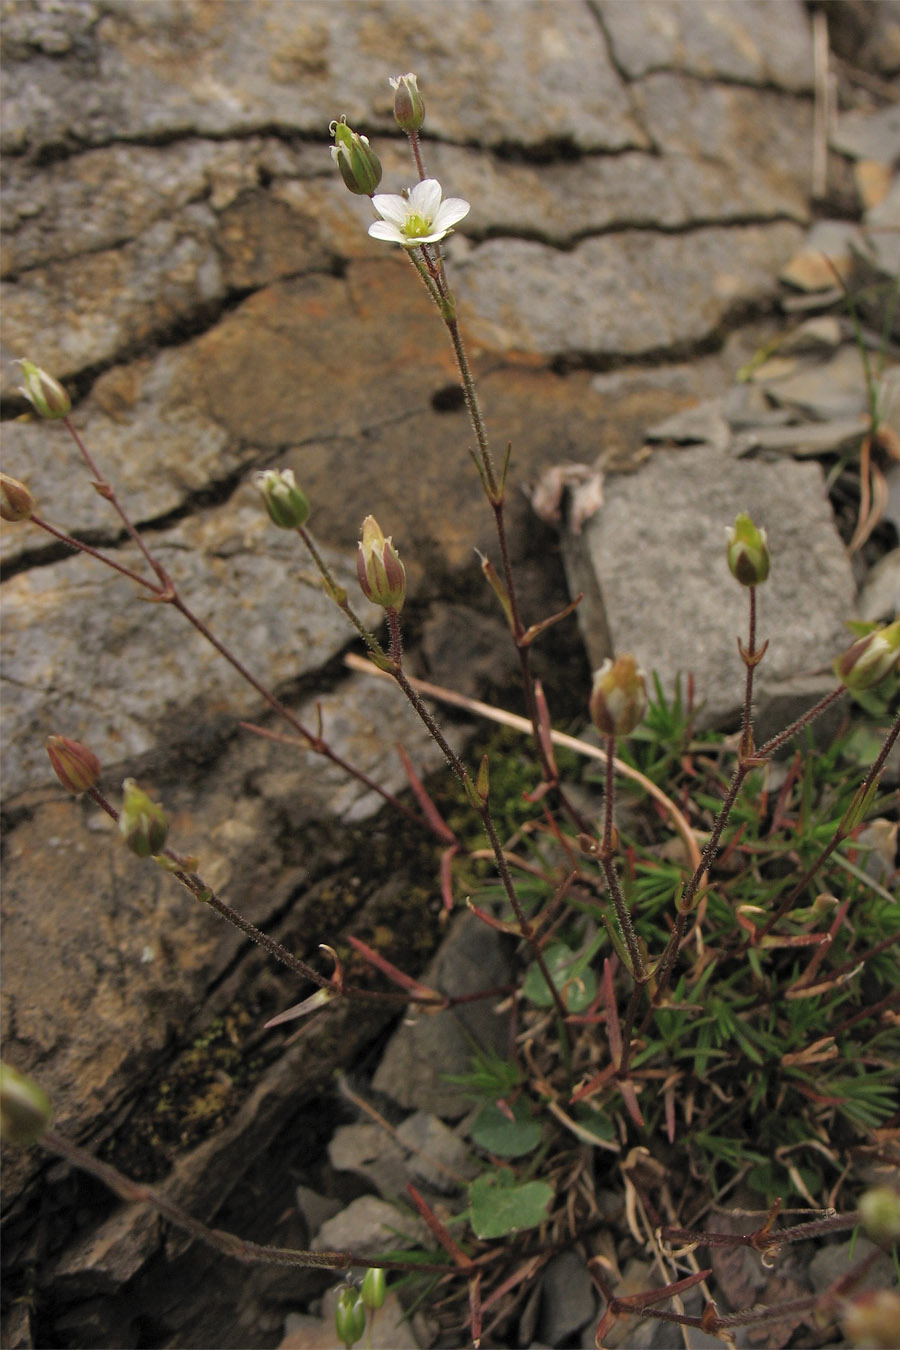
[{"x": 416, "y": 226}]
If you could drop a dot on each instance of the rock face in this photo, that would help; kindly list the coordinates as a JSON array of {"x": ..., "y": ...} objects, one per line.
[{"x": 179, "y": 249}]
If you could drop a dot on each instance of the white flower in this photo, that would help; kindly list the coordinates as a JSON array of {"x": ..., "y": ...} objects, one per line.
[{"x": 420, "y": 218}]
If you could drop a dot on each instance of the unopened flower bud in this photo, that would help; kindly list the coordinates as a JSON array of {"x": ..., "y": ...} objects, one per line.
[
  {"x": 25, "y": 1110},
  {"x": 76, "y": 767},
  {"x": 879, "y": 1209},
  {"x": 359, "y": 165},
  {"x": 382, "y": 575},
  {"x": 45, "y": 394},
  {"x": 374, "y": 1288},
  {"x": 350, "y": 1317},
  {"x": 866, "y": 663},
  {"x": 409, "y": 106},
  {"x": 16, "y": 501},
  {"x": 748, "y": 552},
  {"x": 286, "y": 503},
  {"x": 872, "y": 1318},
  {"x": 619, "y": 696},
  {"x": 142, "y": 822}
]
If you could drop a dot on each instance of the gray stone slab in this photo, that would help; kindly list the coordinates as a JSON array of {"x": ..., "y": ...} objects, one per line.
[
  {"x": 155, "y": 69},
  {"x": 629, "y": 293},
  {"x": 656, "y": 550},
  {"x": 715, "y": 39}
]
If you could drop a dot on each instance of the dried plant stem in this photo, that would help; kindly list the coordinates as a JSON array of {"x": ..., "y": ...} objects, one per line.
[
  {"x": 229, "y": 1244},
  {"x": 507, "y": 719}
]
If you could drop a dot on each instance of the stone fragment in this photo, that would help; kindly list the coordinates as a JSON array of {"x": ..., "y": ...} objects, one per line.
[
  {"x": 368, "y": 1225},
  {"x": 427, "y": 1047},
  {"x": 568, "y": 1299},
  {"x": 881, "y": 238},
  {"x": 368, "y": 1151},
  {"x": 873, "y": 134},
  {"x": 813, "y": 336},
  {"x": 827, "y": 249},
  {"x": 824, "y": 390},
  {"x": 437, "y": 1156},
  {"x": 801, "y": 439},
  {"x": 704, "y": 424},
  {"x": 657, "y": 550},
  {"x": 315, "y": 1207}
]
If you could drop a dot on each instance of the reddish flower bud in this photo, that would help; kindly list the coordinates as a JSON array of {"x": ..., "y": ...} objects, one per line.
[
  {"x": 16, "y": 501},
  {"x": 409, "y": 106},
  {"x": 619, "y": 696},
  {"x": 76, "y": 767},
  {"x": 382, "y": 575}
]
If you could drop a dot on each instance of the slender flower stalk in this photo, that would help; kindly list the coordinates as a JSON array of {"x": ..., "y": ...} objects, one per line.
[{"x": 164, "y": 591}]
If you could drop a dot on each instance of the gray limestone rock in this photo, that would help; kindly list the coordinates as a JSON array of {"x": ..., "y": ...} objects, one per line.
[
  {"x": 427, "y": 1047},
  {"x": 437, "y": 1155},
  {"x": 657, "y": 553},
  {"x": 713, "y": 39},
  {"x": 368, "y": 1225},
  {"x": 628, "y": 293},
  {"x": 106, "y": 667},
  {"x": 568, "y": 1298}
]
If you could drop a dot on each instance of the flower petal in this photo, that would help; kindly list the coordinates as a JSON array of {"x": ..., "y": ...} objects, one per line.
[
  {"x": 391, "y": 207},
  {"x": 385, "y": 229},
  {"x": 425, "y": 198},
  {"x": 449, "y": 212}
]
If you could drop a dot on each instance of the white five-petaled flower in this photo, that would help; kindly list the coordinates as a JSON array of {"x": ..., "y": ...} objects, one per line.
[{"x": 420, "y": 218}]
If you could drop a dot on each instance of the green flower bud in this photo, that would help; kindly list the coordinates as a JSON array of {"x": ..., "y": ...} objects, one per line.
[
  {"x": 359, "y": 165},
  {"x": 382, "y": 575},
  {"x": 25, "y": 1110},
  {"x": 287, "y": 505},
  {"x": 46, "y": 395},
  {"x": 350, "y": 1317},
  {"x": 16, "y": 501},
  {"x": 748, "y": 552},
  {"x": 879, "y": 1209},
  {"x": 870, "y": 659},
  {"x": 76, "y": 767},
  {"x": 142, "y": 822},
  {"x": 619, "y": 696},
  {"x": 374, "y": 1288},
  {"x": 409, "y": 106}
]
